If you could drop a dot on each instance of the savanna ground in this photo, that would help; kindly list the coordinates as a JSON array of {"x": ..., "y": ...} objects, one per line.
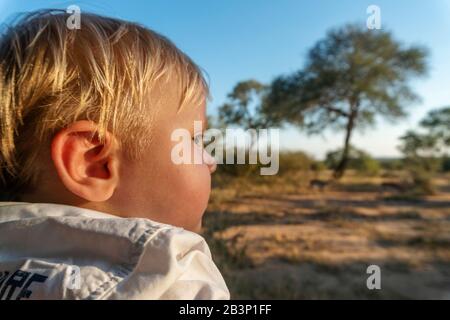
[{"x": 274, "y": 237}]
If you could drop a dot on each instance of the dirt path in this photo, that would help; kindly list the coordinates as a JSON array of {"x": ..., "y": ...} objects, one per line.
[{"x": 319, "y": 245}]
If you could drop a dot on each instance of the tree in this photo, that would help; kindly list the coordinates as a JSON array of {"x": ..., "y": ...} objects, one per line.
[
  {"x": 350, "y": 77},
  {"x": 426, "y": 151},
  {"x": 416, "y": 144},
  {"x": 438, "y": 124},
  {"x": 244, "y": 105},
  {"x": 420, "y": 151},
  {"x": 358, "y": 160}
]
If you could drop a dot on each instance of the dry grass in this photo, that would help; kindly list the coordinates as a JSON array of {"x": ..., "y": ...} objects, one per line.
[{"x": 276, "y": 239}]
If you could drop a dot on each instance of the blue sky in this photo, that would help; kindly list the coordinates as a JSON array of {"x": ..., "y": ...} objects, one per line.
[{"x": 237, "y": 40}]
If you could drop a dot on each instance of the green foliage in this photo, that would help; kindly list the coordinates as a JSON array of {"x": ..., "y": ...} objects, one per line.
[
  {"x": 391, "y": 164},
  {"x": 244, "y": 104},
  {"x": 435, "y": 142},
  {"x": 235, "y": 169},
  {"x": 289, "y": 163},
  {"x": 350, "y": 77},
  {"x": 438, "y": 124},
  {"x": 422, "y": 182},
  {"x": 426, "y": 153},
  {"x": 359, "y": 160},
  {"x": 351, "y": 66},
  {"x": 318, "y": 166},
  {"x": 445, "y": 164},
  {"x": 420, "y": 168},
  {"x": 417, "y": 145}
]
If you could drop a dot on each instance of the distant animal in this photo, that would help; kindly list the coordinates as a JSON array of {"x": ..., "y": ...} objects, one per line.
[{"x": 318, "y": 184}]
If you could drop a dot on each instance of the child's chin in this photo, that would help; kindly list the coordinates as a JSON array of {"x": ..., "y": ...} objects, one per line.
[{"x": 197, "y": 228}]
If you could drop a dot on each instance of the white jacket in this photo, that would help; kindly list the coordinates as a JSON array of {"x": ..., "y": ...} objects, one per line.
[{"x": 50, "y": 251}]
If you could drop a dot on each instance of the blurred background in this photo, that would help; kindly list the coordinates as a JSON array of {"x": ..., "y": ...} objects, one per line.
[{"x": 361, "y": 93}]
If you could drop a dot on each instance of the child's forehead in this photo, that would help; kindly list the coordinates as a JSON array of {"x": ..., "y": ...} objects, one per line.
[
  {"x": 194, "y": 112},
  {"x": 166, "y": 109}
]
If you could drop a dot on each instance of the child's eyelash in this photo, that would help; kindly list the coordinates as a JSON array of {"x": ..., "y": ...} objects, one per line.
[{"x": 198, "y": 138}]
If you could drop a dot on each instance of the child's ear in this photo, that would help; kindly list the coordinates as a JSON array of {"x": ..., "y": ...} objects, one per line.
[{"x": 86, "y": 166}]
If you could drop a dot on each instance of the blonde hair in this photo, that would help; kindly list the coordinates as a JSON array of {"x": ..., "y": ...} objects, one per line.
[{"x": 51, "y": 76}]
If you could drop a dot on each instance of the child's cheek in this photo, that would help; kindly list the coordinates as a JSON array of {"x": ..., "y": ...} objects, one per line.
[
  {"x": 201, "y": 169},
  {"x": 195, "y": 188},
  {"x": 196, "y": 195}
]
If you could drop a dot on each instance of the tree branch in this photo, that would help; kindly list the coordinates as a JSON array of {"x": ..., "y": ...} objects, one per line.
[{"x": 336, "y": 110}]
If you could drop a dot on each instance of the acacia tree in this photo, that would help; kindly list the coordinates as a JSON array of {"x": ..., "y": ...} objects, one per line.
[
  {"x": 350, "y": 77},
  {"x": 425, "y": 150},
  {"x": 243, "y": 107},
  {"x": 438, "y": 124}
]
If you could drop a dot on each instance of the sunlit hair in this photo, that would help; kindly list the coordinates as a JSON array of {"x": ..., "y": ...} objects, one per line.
[{"x": 51, "y": 76}]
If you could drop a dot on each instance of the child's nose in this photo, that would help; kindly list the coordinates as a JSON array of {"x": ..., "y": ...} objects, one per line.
[
  {"x": 210, "y": 161},
  {"x": 213, "y": 167}
]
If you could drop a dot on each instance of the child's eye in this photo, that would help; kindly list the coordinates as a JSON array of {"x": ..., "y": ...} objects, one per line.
[{"x": 198, "y": 139}]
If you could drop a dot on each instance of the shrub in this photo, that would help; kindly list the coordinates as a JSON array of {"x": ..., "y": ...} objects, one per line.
[
  {"x": 445, "y": 164},
  {"x": 359, "y": 161},
  {"x": 294, "y": 162}
]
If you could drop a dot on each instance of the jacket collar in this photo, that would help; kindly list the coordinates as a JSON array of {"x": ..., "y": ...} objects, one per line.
[{"x": 11, "y": 211}]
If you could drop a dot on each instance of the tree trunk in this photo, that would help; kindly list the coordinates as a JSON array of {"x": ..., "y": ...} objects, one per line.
[{"x": 342, "y": 166}]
